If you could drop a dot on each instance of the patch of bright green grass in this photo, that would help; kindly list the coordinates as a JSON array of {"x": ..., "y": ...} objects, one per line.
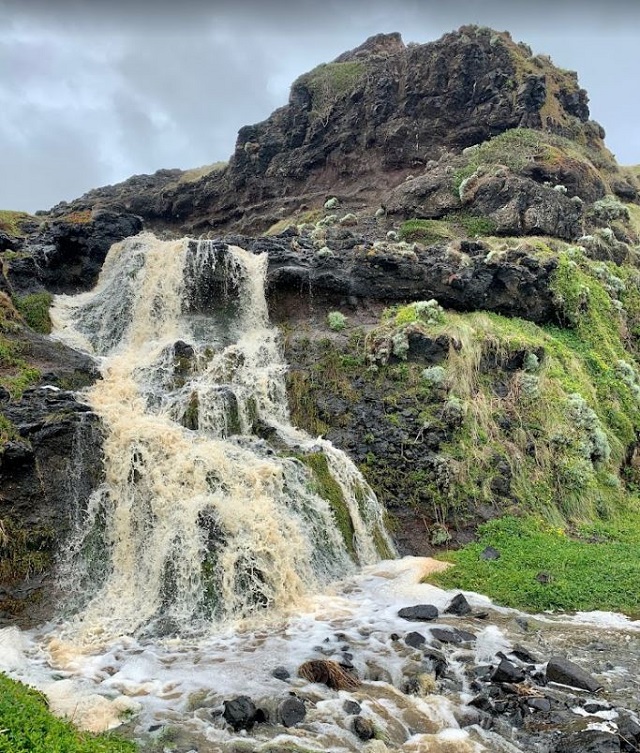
[
  {"x": 595, "y": 568},
  {"x": 27, "y": 726},
  {"x": 34, "y": 309}
]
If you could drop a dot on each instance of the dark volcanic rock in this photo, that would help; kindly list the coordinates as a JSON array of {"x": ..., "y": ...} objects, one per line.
[
  {"x": 565, "y": 672},
  {"x": 459, "y": 606},
  {"x": 242, "y": 713},
  {"x": 419, "y": 613},
  {"x": 489, "y": 553},
  {"x": 414, "y": 639},
  {"x": 588, "y": 741},
  {"x": 291, "y": 711},
  {"x": 45, "y": 475},
  {"x": 506, "y": 671},
  {"x": 360, "y": 125},
  {"x": 363, "y": 728}
]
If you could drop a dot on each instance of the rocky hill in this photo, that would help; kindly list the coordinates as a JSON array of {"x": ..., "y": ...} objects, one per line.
[{"x": 453, "y": 261}]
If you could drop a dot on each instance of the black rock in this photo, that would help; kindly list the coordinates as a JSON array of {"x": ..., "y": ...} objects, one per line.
[
  {"x": 544, "y": 578},
  {"x": 351, "y": 707},
  {"x": 452, "y": 635},
  {"x": 629, "y": 731},
  {"x": 459, "y": 605},
  {"x": 437, "y": 661},
  {"x": 419, "y": 613},
  {"x": 414, "y": 639},
  {"x": 565, "y": 672},
  {"x": 363, "y": 728},
  {"x": 281, "y": 673},
  {"x": 507, "y": 672},
  {"x": 588, "y": 741},
  {"x": 539, "y": 704},
  {"x": 520, "y": 652},
  {"x": 489, "y": 553},
  {"x": 242, "y": 713},
  {"x": 291, "y": 711}
]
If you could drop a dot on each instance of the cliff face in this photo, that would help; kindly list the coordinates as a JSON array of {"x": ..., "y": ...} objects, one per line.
[{"x": 360, "y": 125}]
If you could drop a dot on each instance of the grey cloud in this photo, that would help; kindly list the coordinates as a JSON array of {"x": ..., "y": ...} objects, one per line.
[{"x": 94, "y": 92}]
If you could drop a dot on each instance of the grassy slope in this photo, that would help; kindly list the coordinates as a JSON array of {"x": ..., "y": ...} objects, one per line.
[{"x": 26, "y": 726}]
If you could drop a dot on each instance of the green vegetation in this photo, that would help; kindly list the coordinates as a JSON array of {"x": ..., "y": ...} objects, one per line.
[
  {"x": 518, "y": 148},
  {"x": 11, "y": 222},
  {"x": 426, "y": 231},
  {"x": 328, "y": 82},
  {"x": 27, "y": 726},
  {"x": 34, "y": 309},
  {"x": 329, "y": 489},
  {"x": 543, "y": 567},
  {"x": 336, "y": 321}
]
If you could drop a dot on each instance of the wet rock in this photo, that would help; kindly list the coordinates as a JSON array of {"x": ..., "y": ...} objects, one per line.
[
  {"x": 415, "y": 640},
  {"x": 242, "y": 713},
  {"x": 565, "y": 672},
  {"x": 522, "y": 653},
  {"x": 291, "y": 711},
  {"x": 363, "y": 728},
  {"x": 351, "y": 707},
  {"x": 458, "y": 606},
  {"x": 539, "y": 704},
  {"x": 588, "y": 741},
  {"x": 281, "y": 673},
  {"x": 453, "y": 636},
  {"x": 489, "y": 553},
  {"x": 419, "y": 613},
  {"x": 506, "y": 671},
  {"x": 436, "y": 660},
  {"x": 628, "y": 731}
]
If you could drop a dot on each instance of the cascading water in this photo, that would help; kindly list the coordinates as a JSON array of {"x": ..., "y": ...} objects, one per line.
[
  {"x": 214, "y": 507},
  {"x": 199, "y": 517}
]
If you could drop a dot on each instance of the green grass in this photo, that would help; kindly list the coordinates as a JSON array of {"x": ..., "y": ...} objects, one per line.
[
  {"x": 34, "y": 309},
  {"x": 596, "y": 568},
  {"x": 11, "y": 222},
  {"x": 328, "y": 82},
  {"x": 27, "y": 726},
  {"x": 426, "y": 231}
]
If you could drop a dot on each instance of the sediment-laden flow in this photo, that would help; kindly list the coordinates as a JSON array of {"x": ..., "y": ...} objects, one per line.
[{"x": 211, "y": 508}]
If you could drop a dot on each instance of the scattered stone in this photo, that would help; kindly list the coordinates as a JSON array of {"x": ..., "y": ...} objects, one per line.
[
  {"x": 437, "y": 660},
  {"x": 506, "y": 671},
  {"x": 351, "y": 707},
  {"x": 489, "y": 553},
  {"x": 453, "y": 635},
  {"x": 329, "y": 673},
  {"x": 458, "y": 606},
  {"x": 522, "y": 653},
  {"x": 363, "y": 728},
  {"x": 291, "y": 711},
  {"x": 539, "y": 704},
  {"x": 419, "y": 613},
  {"x": 565, "y": 672},
  {"x": 414, "y": 639},
  {"x": 242, "y": 713},
  {"x": 281, "y": 673},
  {"x": 588, "y": 741}
]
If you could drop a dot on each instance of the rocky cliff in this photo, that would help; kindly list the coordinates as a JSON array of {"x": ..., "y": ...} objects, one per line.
[{"x": 412, "y": 201}]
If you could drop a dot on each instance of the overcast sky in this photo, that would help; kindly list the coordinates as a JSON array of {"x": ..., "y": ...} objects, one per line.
[{"x": 92, "y": 92}]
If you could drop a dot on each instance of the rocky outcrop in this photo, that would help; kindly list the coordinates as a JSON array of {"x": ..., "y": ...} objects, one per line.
[
  {"x": 466, "y": 277},
  {"x": 358, "y": 126}
]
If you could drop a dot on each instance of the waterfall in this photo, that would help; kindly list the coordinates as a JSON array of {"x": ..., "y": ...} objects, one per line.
[{"x": 213, "y": 506}]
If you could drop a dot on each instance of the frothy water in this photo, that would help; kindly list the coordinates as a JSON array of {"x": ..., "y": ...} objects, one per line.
[
  {"x": 200, "y": 519},
  {"x": 225, "y": 543}
]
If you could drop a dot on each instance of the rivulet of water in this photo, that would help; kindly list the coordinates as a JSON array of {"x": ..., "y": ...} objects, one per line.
[{"x": 213, "y": 507}]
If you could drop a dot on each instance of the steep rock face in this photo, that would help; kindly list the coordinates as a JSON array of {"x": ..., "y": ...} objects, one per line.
[
  {"x": 359, "y": 125},
  {"x": 515, "y": 283}
]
